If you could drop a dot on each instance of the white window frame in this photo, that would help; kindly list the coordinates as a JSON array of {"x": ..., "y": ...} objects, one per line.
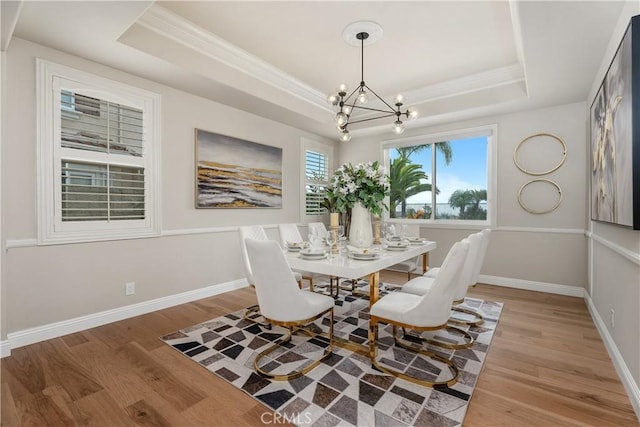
[
  {"x": 491, "y": 131},
  {"x": 311, "y": 145},
  {"x": 51, "y": 79}
]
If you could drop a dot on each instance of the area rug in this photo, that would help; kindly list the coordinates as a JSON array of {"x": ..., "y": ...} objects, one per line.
[{"x": 343, "y": 390}]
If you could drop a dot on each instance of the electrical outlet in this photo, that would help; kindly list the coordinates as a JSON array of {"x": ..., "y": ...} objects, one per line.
[
  {"x": 130, "y": 288},
  {"x": 613, "y": 319}
]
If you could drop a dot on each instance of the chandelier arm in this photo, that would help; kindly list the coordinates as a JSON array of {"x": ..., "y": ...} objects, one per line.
[
  {"x": 393, "y": 112},
  {"x": 350, "y": 95},
  {"x": 371, "y": 118},
  {"x": 378, "y": 96}
]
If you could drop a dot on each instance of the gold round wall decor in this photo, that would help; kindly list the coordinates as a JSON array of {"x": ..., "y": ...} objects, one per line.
[
  {"x": 537, "y": 212},
  {"x": 564, "y": 154}
]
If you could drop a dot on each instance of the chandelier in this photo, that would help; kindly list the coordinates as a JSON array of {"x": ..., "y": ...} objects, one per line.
[{"x": 349, "y": 102}]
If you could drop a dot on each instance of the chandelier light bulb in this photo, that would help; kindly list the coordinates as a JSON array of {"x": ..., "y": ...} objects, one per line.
[
  {"x": 362, "y": 97},
  {"x": 333, "y": 99},
  {"x": 345, "y": 136},
  {"x": 399, "y": 99},
  {"x": 341, "y": 119},
  {"x": 398, "y": 127},
  {"x": 347, "y": 110},
  {"x": 413, "y": 114},
  {"x": 343, "y": 88}
]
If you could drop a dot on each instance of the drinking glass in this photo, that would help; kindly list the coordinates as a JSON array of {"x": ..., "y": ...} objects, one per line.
[{"x": 331, "y": 241}]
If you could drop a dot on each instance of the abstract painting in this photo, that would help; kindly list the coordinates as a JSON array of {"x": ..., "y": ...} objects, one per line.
[
  {"x": 615, "y": 145},
  {"x": 234, "y": 173}
]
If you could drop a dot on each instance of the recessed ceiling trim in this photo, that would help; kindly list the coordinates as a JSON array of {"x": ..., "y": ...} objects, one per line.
[
  {"x": 491, "y": 79},
  {"x": 517, "y": 38},
  {"x": 185, "y": 32},
  {"x": 10, "y": 13},
  {"x": 471, "y": 83}
]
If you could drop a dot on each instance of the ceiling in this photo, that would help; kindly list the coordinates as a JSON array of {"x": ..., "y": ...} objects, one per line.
[{"x": 452, "y": 60}]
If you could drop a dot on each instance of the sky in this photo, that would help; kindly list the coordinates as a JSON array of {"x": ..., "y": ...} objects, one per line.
[{"x": 467, "y": 170}]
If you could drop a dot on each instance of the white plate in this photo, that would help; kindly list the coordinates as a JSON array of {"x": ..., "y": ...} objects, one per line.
[
  {"x": 293, "y": 248},
  {"x": 312, "y": 253},
  {"x": 397, "y": 248},
  {"x": 398, "y": 244},
  {"x": 314, "y": 257},
  {"x": 416, "y": 240},
  {"x": 364, "y": 257}
]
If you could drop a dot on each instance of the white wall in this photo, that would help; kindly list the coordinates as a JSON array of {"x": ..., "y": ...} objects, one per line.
[
  {"x": 198, "y": 248},
  {"x": 615, "y": 263},
  {"x": 544, "y": 250}
]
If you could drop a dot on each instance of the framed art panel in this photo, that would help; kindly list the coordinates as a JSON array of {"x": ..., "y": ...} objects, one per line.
[
  {"x": 234, "y": 173},
  {"x": 615, "y": 137}
]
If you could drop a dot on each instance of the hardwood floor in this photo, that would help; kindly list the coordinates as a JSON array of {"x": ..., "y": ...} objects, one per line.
[{"x": 546, "y": 366}]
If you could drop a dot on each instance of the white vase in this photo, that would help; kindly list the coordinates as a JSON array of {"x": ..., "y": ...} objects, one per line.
[{"x": 360, "y": 233}]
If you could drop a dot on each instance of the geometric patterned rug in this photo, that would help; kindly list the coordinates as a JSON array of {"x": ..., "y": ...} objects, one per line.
[{"x": 344, "y": 390}]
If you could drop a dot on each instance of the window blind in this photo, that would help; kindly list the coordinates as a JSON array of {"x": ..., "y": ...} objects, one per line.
[
  {"x": 317, "y": 181},
  {"x": 95, "y": 188},
  {"x": 98, "y": 125}
]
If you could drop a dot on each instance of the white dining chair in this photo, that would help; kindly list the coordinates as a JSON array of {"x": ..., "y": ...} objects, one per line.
[
  {"x": 410, "y": 265},
  {"x": 254, "y": 232},
  {"x": 421, "y": 285},
  {"x": 428, "y": 312},
  {"x": 318, "y": 228},
  {"x": 282, "y": 303},
  {"x": 289, "y": 233},
  {"x": 472, "y": 267}
]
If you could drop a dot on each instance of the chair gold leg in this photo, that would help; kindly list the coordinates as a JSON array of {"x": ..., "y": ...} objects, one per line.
[
  {"x": 479, "y": 320},
  {"x": 373, "y": 352},
  {"x": 293, "y": 328},
  {"x": 467, "y": 337}
]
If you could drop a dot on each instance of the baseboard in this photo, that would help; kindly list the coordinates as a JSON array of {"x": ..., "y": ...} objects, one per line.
[
  {"x": 5, "y": 348},
  {"x": 618, "y": 362},
  {"x": 530, "y": 285},
  {"x": 58, "y": 329}
]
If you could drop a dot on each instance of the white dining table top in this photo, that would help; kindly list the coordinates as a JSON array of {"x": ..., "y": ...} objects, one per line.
[{"x": 348, "y": 268}]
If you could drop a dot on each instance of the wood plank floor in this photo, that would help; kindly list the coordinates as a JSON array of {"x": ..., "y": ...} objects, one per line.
[{"x": 546, "y": 366}]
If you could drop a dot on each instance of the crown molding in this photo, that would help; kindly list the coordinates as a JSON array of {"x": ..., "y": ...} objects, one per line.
[{"x": 185, "y": 32}]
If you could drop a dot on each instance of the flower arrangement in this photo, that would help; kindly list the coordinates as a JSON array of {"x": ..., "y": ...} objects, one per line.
[{"x": 367, "y": 183}]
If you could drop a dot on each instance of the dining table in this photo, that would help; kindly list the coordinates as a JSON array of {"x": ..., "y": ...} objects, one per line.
[{"x": 344, "y": 266}]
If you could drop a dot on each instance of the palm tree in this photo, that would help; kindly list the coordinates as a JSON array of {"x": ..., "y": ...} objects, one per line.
[
  {"x": 444, "y": 147},
  {"x": 468, "y": 201},
  {"x": 405, "y": 177}
]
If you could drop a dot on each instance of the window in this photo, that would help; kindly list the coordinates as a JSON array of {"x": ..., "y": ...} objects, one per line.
[
  {"x": 317, "y": 161},
  {"x": 445, "y": 177},
  {"x": 98, "y": 157}
]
